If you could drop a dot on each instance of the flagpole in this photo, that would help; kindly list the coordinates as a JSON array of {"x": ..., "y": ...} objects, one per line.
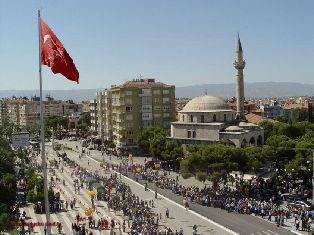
[{"x": 42, "y": 135}]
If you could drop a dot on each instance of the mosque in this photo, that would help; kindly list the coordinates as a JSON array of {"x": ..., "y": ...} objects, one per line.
[{"x": 208, "y": 119}]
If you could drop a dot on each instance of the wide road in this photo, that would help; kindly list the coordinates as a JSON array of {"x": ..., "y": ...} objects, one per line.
[
  {"x": 239, "y": 223},
  {"x": 179, "y": 217}
]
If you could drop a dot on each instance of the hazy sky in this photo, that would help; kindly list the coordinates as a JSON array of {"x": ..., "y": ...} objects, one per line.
[{"x": 180, "y": 42}]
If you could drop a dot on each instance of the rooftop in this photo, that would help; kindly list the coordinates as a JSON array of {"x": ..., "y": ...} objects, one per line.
[{"x": 141, "y": 83}]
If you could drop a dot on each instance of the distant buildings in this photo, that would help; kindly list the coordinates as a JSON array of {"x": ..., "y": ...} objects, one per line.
[
  {"x": 24, "y": 112},
  {"x": 123, "y": 111}
]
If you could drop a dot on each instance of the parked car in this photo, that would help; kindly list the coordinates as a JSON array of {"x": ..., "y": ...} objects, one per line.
[{"x": 302, "y": 205}]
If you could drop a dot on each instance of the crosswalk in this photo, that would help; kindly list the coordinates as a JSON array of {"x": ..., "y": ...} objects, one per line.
[{"x": 267, "y": 232}]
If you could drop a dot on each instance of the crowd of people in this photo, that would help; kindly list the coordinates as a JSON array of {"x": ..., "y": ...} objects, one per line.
[
  {"x": 138, "y": 215},
  {"x": 254, "y": 196}
]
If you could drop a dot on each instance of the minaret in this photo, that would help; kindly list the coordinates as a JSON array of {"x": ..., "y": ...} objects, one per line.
[{"x": 239, "y": 65}]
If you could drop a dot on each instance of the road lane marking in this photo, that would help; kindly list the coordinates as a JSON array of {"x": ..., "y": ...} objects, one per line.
[
  {"x": 273, "y": 232},
  {"x": 296, "y": 232},
  {"x": 266, "y": 233}
]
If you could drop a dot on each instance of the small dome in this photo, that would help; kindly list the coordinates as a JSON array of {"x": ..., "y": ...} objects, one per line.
[
  {"x": 205, "y": 103},
  {"x": 234, "y": 128},
  {"x": 247, "y": 124}
]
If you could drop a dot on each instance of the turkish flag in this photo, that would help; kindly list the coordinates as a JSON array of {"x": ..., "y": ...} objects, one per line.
[{"x": 54, "y": 55}]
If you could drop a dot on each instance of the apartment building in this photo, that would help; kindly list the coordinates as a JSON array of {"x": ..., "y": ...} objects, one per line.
[
  {"x": 93, "y": 114},
  {"x": 138, "y": 104},
  {"x": 103, "y": 106},
  {"x": 25, "y": 112}
]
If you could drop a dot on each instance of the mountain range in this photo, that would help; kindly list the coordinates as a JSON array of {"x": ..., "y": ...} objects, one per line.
[{"x": 251, "y": 90}]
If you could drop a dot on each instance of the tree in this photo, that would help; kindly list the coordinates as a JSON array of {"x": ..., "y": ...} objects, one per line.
[
  {"x": 85, "y": 119},
  {"x": 56, "y": 122},
  {"x": 157, "y": 145},
  {"x": 7, "y": 182},
  {"x": 268, "y": 127},
  {"x": 300, "y": 114},
  {"x": 33, "y": 129},
  {"x": 149, "y": 139},
  {"x": 172, "y": 151},
  {"x": 7, "y": 129}
]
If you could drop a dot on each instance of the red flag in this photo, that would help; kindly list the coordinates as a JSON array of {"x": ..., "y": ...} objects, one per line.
[{"x": 54, "y": 55}]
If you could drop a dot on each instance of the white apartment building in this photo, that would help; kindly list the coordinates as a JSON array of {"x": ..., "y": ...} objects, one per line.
[{"x": 103, "y": 106}]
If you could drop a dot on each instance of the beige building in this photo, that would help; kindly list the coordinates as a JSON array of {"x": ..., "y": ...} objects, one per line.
[
  {"x": 25, "y": 112},
  {"x": 125, "y": 110}
]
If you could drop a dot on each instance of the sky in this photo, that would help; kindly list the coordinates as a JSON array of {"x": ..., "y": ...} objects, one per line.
[{"x": 180, "y": 42}]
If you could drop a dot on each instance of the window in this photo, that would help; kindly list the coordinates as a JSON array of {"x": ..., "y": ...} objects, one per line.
[
  {"x": 129, "y": 133},
  {"x": 202, "y": 118},
  {"x": 166, "y": 115},
  {"x": 189, "y": 134},
  {"x": 128, "y": 109},
  {"x": 128, "y": 93},
  {"x": 191, "y": 118},
  {"x": 128, "y": 101},
  {"x": 129, "y": 124},
  {"x": 146, "y": 100},
  {"x": 146, "y": 116},
  {"x": 129, "y": 117},
  {"x": 146, "y": 91},
  {"x": 166, "y": 124},
  {"x": 166, "y": 108},
  {"x": 157, "y": 107},
  {"x": 146, "y": 108},
  {"x": 157, "y": 115},
  {"x": 165, "y": 100},
  {"x": 157, "y": 100},
  {"x": 214, "y": 118},
  {"x": 225, "y": 117},
  {"x": 182, "y": 118},
  {"x": 157, "y": 92},
  {"x": 165, "y": 92},
  {"x": 194, "y": 134}
]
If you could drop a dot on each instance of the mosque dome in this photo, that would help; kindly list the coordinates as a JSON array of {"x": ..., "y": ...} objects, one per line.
[{"x": 205, "y": 103}]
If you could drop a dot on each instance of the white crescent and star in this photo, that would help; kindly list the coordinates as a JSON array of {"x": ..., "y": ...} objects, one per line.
[
  {"x": 56, "y": 52},
  {"x": 46, "y": 37}
]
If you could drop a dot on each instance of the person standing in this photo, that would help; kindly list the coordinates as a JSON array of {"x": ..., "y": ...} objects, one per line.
[
  {"x": 297, "y": 223},
  {"x": 167, "y": 212}
]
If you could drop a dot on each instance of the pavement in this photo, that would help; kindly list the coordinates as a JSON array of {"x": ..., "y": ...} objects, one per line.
[{"x": 239, "y": 223}]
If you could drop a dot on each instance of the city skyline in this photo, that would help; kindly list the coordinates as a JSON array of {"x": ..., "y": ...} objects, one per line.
[{"x": 177, "y": 42}]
